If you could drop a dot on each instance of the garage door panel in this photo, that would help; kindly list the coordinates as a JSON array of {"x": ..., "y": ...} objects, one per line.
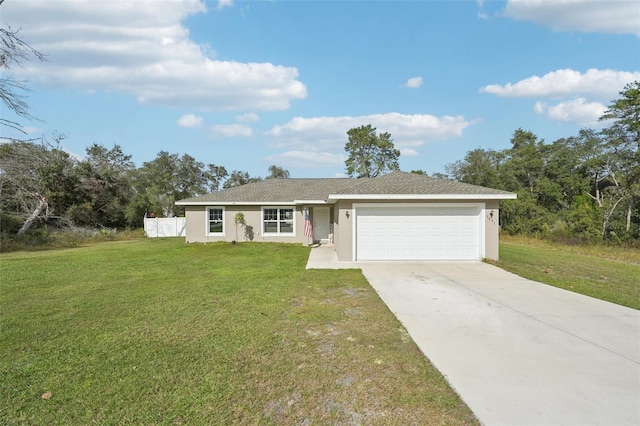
[
  {"x": 418, "y": 233},
  {"x": 395, "y": 240},
  {"x": 468, "y": 240}
]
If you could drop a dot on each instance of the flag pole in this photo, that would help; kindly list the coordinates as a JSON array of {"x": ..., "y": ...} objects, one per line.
[
  {"x": 307, "y": 219},
  {"x": 308, "y": 227}
]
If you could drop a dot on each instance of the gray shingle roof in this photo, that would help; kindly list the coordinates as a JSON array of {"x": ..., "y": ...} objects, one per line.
[
  {"x": 276, "y": 191},
  {"x": 289, "y": 190},
  {"x": 398, "y": 182}
]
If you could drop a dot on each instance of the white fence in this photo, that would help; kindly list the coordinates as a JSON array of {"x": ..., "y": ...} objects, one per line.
[{"x": 164, "y": 227}]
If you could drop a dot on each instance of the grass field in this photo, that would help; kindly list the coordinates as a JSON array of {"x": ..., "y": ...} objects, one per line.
[
  {"x": 160, "y": 332},
  {"x": 607, "y": 273}
]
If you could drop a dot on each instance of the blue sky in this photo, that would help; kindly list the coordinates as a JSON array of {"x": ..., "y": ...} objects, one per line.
[{"x": 247, "y": 84}]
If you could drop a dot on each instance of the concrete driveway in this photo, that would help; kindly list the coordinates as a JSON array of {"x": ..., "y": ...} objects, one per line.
[{"x": 518, "y": 352}]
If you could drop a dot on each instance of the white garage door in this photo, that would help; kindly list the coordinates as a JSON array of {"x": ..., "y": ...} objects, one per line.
[{"x": 418, "y": 233}]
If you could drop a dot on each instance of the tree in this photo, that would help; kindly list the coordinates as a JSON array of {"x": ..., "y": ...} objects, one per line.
[
  {"x": 626, "y": 112},
  {"x": 623, "y": 138},
  {"x": 104, "y": 188},
  {"x": 370, "y": 154},
  {"x": 239, "y": 219},
  {"x": 276, "y": 172},
  {"x": 158, "y": 179},
  {"x": 524, "y": 165},
  {"x": 161, "y": 182},
  {"x": 13, "y": 52},
  {"x": 479, "y": 167},
  {"x": 439, "y": 175},
  {"x": 37, "y": 181},
  {"x": 238, "y": 178},
  {"x": 215, "y": 175}
]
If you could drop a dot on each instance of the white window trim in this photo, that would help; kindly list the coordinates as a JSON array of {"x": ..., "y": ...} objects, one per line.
[
  {"x": 215, "y": 234},
  {"x": 278, "y": 234}
]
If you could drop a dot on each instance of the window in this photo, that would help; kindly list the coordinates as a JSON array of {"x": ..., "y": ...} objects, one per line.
[
  {"x": 278, "y": 220},
  {"x": 215, "y": 221}
]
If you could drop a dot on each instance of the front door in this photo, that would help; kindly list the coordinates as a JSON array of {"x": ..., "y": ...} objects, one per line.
[{"x": 321, "y": 224}]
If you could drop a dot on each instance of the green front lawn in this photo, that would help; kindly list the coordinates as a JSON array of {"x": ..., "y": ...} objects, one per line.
[
  {"x": 607, "y": 273},
  {"x": 159, "y": 332}
]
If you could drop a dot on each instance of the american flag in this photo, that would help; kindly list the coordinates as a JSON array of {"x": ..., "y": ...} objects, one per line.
[{"x": 308, "y": 228}]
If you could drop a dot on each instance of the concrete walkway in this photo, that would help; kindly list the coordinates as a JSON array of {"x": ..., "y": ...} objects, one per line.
[
  {"x": 518, "y": 352},
  {"x": 324, "y": 257}
]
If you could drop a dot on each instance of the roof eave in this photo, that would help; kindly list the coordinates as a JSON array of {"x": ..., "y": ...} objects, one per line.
[
  {"x": 235, "y": 203},
  {"x": 332, "y": 198},
  {"x": 311, "y": 202},
  {"x": 336, "y": 197}
]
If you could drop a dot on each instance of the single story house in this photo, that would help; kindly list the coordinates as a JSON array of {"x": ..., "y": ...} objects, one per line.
[{"x": 397, "y": 216}]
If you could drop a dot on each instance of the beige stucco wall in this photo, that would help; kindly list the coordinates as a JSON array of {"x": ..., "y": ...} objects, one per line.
[
  {"x": 343, "y": 230},
  {"x": 196, "y": 229},
  {"x": 491, "y": 230},
  {"x": 343, "y": 226}
]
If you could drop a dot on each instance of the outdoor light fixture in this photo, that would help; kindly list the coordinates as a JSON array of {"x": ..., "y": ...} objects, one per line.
[{"x": 347, "y": 214}]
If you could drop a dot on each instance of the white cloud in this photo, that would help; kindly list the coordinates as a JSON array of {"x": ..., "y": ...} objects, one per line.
[
  {"x": 249, "y": 117},
  {"x": 232, "y": 130},
  {"x": 224, "y": 3},
  {"x": 142, "y": 49},
  {"x": 481, "y": 13},
  {"x": 617, "y": 17},
  {"x": 578, "y": 111},
  {"x": 600, "y": 84},
  {"x": 580, "y": 97},
  {"x": 414, "y": 82},
  {"x": 307, "y": 159},
  {"x": 329, "y": 134},
  {"x": 408, "y": 152},
  {"x": 319, "y": 142},
  {"x": 190, "y": 120}
]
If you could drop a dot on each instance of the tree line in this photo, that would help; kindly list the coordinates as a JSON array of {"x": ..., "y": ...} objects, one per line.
[
  {"x": 41, "y": 184},
  {"x": 585, "y": 187}
]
